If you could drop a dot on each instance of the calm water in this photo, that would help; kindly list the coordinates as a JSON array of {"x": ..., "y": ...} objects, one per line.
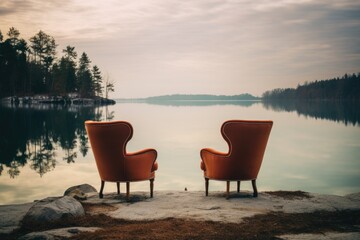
[{"x": 313, "y": 147}]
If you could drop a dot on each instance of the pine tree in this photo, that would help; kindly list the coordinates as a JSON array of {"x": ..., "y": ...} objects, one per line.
[
  {"x": 44, "y": 50},
  {"x": 97, "y": 80},
  {"x": 84, "y": 77}
]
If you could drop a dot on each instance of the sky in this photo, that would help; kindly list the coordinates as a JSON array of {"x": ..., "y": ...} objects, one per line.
[{"x": 222, "y": 47}]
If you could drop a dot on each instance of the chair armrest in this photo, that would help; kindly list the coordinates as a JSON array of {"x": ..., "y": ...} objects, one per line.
[
  {"x": 212, "y": 161},
  {"x": 140, "y": 165},
  {"x": 143, "y": 152},
  {"x": 209, "y": 156},
  {"x": 210, "y": 151}
]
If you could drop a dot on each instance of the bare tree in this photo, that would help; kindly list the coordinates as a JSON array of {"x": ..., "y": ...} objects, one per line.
[{"x": 109, "y": 86}]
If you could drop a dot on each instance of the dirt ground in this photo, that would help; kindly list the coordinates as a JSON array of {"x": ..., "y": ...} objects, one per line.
[{"x": 264, "y": 226}]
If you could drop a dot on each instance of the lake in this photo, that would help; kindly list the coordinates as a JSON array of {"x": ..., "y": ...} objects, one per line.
[{"x": 313, "y": 146}]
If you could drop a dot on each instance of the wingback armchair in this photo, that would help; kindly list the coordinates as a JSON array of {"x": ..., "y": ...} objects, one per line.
[
  {"x": 247, "y": 141},
  {"x": 108, "y": 141}
]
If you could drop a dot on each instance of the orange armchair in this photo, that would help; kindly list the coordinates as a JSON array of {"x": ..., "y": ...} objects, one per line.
[
  {"x": 247, "y": 141},
  {"x": 108, "y": 141}
]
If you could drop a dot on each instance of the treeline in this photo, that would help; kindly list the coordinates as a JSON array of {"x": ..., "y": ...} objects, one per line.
[
  {"x": 346, "y": 88},
  {"x": 27, "y": 69}
]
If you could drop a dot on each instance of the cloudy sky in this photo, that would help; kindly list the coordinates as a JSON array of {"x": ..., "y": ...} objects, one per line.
[{"x": 156, "y": 47}]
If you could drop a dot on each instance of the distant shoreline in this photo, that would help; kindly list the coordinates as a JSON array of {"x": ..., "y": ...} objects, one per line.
[
  {"x": 197, "y": 97},
  {"x": 181, "y": 100},
  {"x": 189, "y": 102}
]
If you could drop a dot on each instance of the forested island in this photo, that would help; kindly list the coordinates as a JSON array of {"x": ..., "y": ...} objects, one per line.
[
  {"x": 196, "y": 100},
  {"x": 32, "y": 72},
  {"x": 202, "y": 97},
  {"x": 346, "y": 88},
  {"x": 336, "y": 99}
]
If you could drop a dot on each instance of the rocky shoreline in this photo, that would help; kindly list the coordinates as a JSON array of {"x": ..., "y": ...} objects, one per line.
[
  {"x": 71, "y": 99},
  {"x": 82, "y": 204}
]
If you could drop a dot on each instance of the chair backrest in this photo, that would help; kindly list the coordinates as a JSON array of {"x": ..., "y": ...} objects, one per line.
[
  {"x": 247, "y": 141},
  {"x": 108, "y": 141}
]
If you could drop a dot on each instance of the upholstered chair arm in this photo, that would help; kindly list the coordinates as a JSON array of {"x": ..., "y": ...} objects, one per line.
[
  {"x": 214, "y": 163},
  {"x": 139, "y": 165},
  {"x": 210, "y": 151},
  {"x": 142, "y": 153},
  {"x": 208, "y": 156}
]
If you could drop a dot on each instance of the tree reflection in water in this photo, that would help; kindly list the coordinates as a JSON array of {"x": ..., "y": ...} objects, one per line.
[
  {"x": 346, "y": 112},
  {"x": 32, "y": 135}
]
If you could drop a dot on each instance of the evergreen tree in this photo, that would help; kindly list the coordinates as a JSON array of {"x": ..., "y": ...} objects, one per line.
[
  {"x": 64, "y": 72},
  {"x": 346, "y": 88},
  {"x": 97, "y": 80},
  {"x": 84, "y": 77},
  {"x": 13, "y": 35},
  {"x": 59, "y": 78},
  {"x": 27, "y": 69},
  {"x": 44, "y": 51},
  {"x": 23, "y": 83},
  {"x": 13, "y": 65},
  {"x": 70, "y": 57}
]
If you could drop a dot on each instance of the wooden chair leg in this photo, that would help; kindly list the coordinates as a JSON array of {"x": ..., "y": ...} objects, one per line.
[
  {"x": 206, "y": 186},
  {"x": 118, "y": 187},
  {"x": 151, "y": 187},
  {"x": 254, "y": 187},
  {"x": 127, "y": 190},
  {"x": 101, "y": 189},
  {"x": 238, "y": 186},
  {"x": 227, "y": 189}
]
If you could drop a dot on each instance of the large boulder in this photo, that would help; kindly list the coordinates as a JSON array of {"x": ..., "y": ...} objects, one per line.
[
  {"x": 54, "y": 208},
  {"x": 80, "y": 192}
]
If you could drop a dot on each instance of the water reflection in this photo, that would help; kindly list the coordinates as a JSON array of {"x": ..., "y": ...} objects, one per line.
[
  {"x": 344, "y": 112},
  {"x": 32, "y": 135},
  {"x": 303, "y": 153}
]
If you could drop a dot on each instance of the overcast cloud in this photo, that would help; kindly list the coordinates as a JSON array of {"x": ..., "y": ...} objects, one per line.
[{"x": 157, "y": 47}]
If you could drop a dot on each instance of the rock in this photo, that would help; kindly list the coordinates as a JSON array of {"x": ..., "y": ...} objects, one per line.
[
  {"x": 61, "y": 233},
  {"x": 51, "y": 209},
  {"x": 195, "y": 205},
  {"x": 354, "y": 196},
  {"x": 77, "y": 194},
  {"x": 84, "y": 188},
  {"x": 80, "y": 192},
  {"x": 11, "y": 216},
  {"x": 322, "y": 236}
]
